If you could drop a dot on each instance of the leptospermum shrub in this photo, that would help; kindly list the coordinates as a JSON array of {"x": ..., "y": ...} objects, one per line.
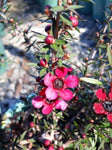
[{"x": 72, "y": 107}]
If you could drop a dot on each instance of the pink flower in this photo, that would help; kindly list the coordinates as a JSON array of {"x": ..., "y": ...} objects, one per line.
[
  {"x": 104, "y": 107},
  {"x": 41, "y": 101},
  {"x": 58, "y": 84}
]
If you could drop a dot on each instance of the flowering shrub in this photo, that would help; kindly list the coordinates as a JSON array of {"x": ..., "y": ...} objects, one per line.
[
  {"x": 64, "y": 112},
  {"x": 106, "y": 106}
]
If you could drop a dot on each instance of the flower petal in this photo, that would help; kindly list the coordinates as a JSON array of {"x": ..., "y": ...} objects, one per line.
[
  {"x": 66, "y": 94},
  {"x": 70, "y": 69},
  {"x": 101, "y": 94},
  {"x": 48, "y": 79},
  {"x": 98, "y": 108},
  {"x": 60, "y": 104},
  {"x": 61, "y": 71},
  {"x": 38, "y": 102},
  {"x": 51, "y": 93},
  {"x": 109, "y": 117},
  {"x": 72, "y": 81},
  {"x": 110, "y": 95},
  {"x": 47, "y": 109}
]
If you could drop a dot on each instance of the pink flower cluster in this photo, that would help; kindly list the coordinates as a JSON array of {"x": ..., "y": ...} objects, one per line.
[
  {"x": 56, "y": 90},
  {"x": 105, "y": 106}
]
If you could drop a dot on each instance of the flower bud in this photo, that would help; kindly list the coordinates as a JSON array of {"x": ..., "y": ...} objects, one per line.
[
  {"x": 48, "y": 28},
  {"x": 64, "y": 46},
  {"x": 101, "y": 41},
  {"x": 83, "y": 135},
  {"x": 74, "y": 21},
  {"x": 32, "y": 124},
  {"x": 47, "y": 10},
  {"x": 49, "y": 39},
  {"x": 66, "y": 56},
  {"x": 47, "y": 143},
  {"x": 12, "y": 20},
  {"x": 60, "y": 148},
  {"x": 91, "y": 121},
  {"x": 43, "y": 63},
  {"x": 26, "y": 31},
  {"x": 69, "y": 2},
  {"x": 51, "y": 148},
  {"x": 67, "y": 126}
]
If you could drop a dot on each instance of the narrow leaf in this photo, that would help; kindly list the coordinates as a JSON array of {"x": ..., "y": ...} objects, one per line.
[
  {"x": 60, "y": 42},
  {"x": 31, "y": 64},
  {"x": 23, "y": 135},
  {"x": 41, "y": 36},
  {"x": 65, "y": 19},
  {"x": 57, "y": 8},
  {"x": 55, "y": 47},
  {"x": 89, "y": 1},
  {"x": 75, "y": 7},
  {"x": 43, "y": 71},
  {"x": 91, "y": 80},
  {"x": 109, "y": 53}
]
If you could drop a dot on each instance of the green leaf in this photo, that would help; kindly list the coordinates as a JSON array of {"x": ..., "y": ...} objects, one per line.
[
  {"x": 57, "y": 8},
  {"x": 64, "y": 2},
  {"x": 110, "y": 146},
  {"x": 44, "y": 49},
  {"x": 23, "y": 135},
  {"x": 87, "y": 127},
  {"x": 45, "y": 123},
  {"x": 77, "y": 29},
  {"x": 41, "y": 36},
  {"x": 31, "y": 64},
  {"x": 103, "y": 46},
  {"x": 32, "y": 140},
  {"x": 89, "y": 1},
  {"x": 109, "y": 53},
  {"x": 91, "y": 80},
  {"x": 55, "y": 47},
  {"x": 60, "y": 63},
  {"x": 65, "y": 19},
  {"x": 75, "y": 7},
  {"x": 60, "y": 42},
  {"x": 47, "y": 57},
  {"x": 43, "y": 71}
]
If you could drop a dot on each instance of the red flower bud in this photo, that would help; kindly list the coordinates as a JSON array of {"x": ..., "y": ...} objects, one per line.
[
  {"x": 43, "y": 63},
  {"x": 32, "y": 124},
  {"x": 51, "y": 148},
  {"x": 67, "y": 126},
  {"x": 47, "y": 143},
  {"x": 49, "y": 39},
  {"x": 64, "y": 46},
  {"x": 47, "y": 10},
  {"x": 12, "y": 20},
  {"x": 60, "y": 148},
  {"x": 74, "y": 21},
  {"x": 83, "y": 135},
  {"x": 91, "y": 121},
  {"x": 67, "y": 55},
  {"x": 48, "y": 28},
  {"x": 69, "y": 2}
]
